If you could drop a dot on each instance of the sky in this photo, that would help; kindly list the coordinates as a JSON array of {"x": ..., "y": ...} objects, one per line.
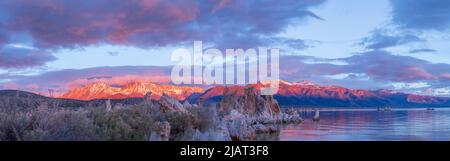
[{"x": 400, "y": 45}]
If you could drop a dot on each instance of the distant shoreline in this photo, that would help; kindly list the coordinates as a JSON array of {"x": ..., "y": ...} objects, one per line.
[{"x": 311, "y": 109}]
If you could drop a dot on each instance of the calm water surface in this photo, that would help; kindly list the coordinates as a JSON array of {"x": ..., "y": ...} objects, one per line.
[{"x": 371, "y": 125}]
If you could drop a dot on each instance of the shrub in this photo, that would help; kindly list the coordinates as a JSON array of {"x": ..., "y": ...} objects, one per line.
[{"x": 91, "y": 123}]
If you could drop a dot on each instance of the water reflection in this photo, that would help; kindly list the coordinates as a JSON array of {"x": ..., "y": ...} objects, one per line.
[{"x": 371, "y": 125}]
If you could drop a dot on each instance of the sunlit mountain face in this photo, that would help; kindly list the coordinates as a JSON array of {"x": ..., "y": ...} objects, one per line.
[
  {"x": 290, "y": 94},
  {"x": 102, "y": 90},
  {"x": 307, "y": 94}
]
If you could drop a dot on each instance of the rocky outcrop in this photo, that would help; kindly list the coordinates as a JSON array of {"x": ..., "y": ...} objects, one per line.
[
  {"x": 240, "y": 116},
  {"x": 187, "y": 105},
  {"x": 170, "y": 104},
  {"x": 249, "y": 114},
  {"x": 161, "y": 133},
  {"x": 108, "y": 105},
  {"x": 252, "y": 106},
  {"x": 148, "y": 97},
  {"x": 219, "y": 133},
  {"x": 164, "y": 104},
  {"x": 291, "y": 116},
  {"x": 241, "y": 130},
  {"x": 267, "y": 128}
]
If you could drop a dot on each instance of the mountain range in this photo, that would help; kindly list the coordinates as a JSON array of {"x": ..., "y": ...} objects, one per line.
[
  {"x": 101, "y": 90},
  {"x": 21, "y": 100},
  {"x": 290, "y": 94},
  {"x": 307, "y": 94}
]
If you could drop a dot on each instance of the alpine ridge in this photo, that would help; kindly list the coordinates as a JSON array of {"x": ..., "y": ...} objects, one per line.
[
  {"x": 101, "y": 90},
  {"x": 300, "y": 94}
]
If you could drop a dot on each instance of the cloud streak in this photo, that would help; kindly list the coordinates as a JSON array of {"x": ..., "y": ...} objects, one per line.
[
  {"x": 67, "y": 23},
  {"x": 423, "y": 50},
  {"x": 368, "y": 69},
  {"x": 382, "y": 39},
  {"x": 421, "y": 15},
  {"x": 19, "y": 58}
]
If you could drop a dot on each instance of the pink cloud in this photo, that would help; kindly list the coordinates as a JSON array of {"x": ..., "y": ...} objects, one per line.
[
  {"x": 445, "y": 76},
  {"x": 67, "y": 23},
  {"x": 11, "y": 57},
  {"x": 417, "y": 72},
  {"x": 10, "y": 85}
]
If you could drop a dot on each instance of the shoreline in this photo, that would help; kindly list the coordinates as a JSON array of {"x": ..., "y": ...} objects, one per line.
[{"x": 326, "y": 109}]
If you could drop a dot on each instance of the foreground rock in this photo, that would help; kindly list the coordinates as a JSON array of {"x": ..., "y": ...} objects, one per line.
[
  {"x": 164, "y": 104},
  {"x": 236, "y": 117},
  {"x": 170, "y": 104},
  {"x": 252, "y": 113},
  {"x": 219, "y": 133},
  {"x": 291, "y": 116},
  {"x": 162, "y": 132},
  {"x": 253, "y": 106}
]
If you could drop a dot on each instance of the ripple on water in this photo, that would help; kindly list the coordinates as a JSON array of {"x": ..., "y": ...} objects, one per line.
[{"x": 372, "y": 125}]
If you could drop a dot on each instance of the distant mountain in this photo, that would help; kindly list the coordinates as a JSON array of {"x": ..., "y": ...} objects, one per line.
[
  {"x": 20, "y": 100},
  {"x": 296, "y": 94},
  {"x": 132, "y": 90},
  {"x": 309, "y": 94}
]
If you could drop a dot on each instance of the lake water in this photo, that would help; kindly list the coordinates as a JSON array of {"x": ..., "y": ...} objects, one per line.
[{"x": 371, "y": 125}]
